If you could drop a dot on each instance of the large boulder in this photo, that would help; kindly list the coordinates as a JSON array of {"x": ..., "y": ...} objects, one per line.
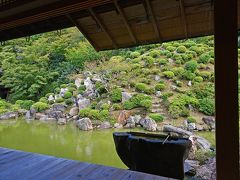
[
  {"x": 74, "y": 111},
  {"x": 62, "y": 121},
  {"x": 59, "y": 107},
  {"x": 41, "y": 116},
  {"x": 55, "y": 114},
  {"x": 118, "y": 126},
  {"x": 148, "y": 124},
  {"x": 83, "y": 103},
  {"x": 105, "y": 125},
  {"x": 9, "y": 115},
  {"x": 130, "y": 122},
  {"x": 122, "y": 118},
  {"x": 84, "y": 124},
  {"x": 208, "y": 170},
  {"x": 126, "y": 96},
  {"x": 78, "y": 82},
  {"x": 210, "y": 121},
  {"x": 89, "y": 85}
]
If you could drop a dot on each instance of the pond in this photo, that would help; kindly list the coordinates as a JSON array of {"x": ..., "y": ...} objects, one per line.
[{"x": 62, "y": 141}]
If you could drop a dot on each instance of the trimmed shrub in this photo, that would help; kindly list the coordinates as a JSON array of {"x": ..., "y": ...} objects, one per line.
[
  {"x": 181, "y": 49},
  {"x": 179, "y": 83},
  {"x": 117, "y": 106},
  {"x": 177, "y": 57},
  {"x": 149, "y": 61},
  {"x": 191, "y": 119},
  {"x": 40, "y": 106},
  {"x": 191, "y": 66},
  {"x": 138, "y": 100},
  {"x": 25, "y": 104},
  {"x": 72, "y": 85},
  {"x": 135, "y": 54},
  {"x": 168, "y": 74},
  {"x": 57, "y": 90},
  {"x": 164, "y": 52},
  {"x": 178, "y": 71},
  {"x": 67, "y": 95},
  {"x": 43, "y": 99},
  {"x": 154, "y": 53},
  {"x": 146, "y": 103},
  {"x": 156, "y": 117},
  {"x": 160, "y": 87},
  {"x": 100, "y": 88},
  {"x": 116, "y": 95},
  {"x": 205, "y": 75},
  {"x": 129, "y": 105},
  {"x": 204, "y": 58},
  {"x": 141, "y": 87},
  {"x": 59, "y": 100},
  {"x": 171, "y": 48},
  {"x": 68, "y": 101},
  {"x": 162, "y": 61},
  {"x": 207, "y": 106},
  {"x": 188, "y": 75},
  {"x": 198, "y": 79},
  {"x": 105, "y": 106},
  {"x": 71, "y": 89},
  {"x": 104, "y": 115},
  {"x": 64, "y": 86}
]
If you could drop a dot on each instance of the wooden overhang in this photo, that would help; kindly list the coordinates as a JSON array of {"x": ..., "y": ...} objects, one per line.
[{"x": 109, "y": 24}]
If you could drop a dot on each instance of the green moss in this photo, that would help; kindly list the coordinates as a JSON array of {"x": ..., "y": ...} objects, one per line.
[
  {"x": 156, "y": 117},
  {"x": 181, "y": 49},
  {"x": 168, "y": 74},
  {"x": 67, "y": 95},
  {"x": 44, "y": 100}
]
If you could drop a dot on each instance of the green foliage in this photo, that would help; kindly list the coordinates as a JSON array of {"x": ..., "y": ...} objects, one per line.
[
  {"x": 81, "y": 89},
  {"x": 178, "y": 71},
  {"x": 117, "y": 106},
  {"x": 198, "y": 79},
  {"x": 105, "y": 106},
  {"x": 204, "y": 90},
  {"x": 204, "y": 58},
  {"x": 207, "y": 106},
  {"x": 162, "y": 61},
  {"x": 170, "y": 48},
  {"x": 5, "y": 106},
  {"x": 138, "y": 100},
  {"x": 168, "y": 74},
  {"x": 116, "y": 95},
  {"x": 205, "y": 75},
  {"x": 43, "y": 99},
  {"x": 68, "y": 101},
  {"x": 203, "y": 155},
  {"x": 181, "y": 49},
  {"x": 135, "y": 54},
  {"x": 40, "y": 106},
  {"x": 94, "y": 114},
  {"x": 188, "y": 75},
  {"x": 59, "y": 100},
  {"x": 156, "y": 117},
  {"x": 67, "y": 95},
  {"x": 191, "y": 119},
  {"x": 57, "y": 90},
  {"x": 191, "y": 66},
  {"x": 160, "y": 87},
  {"x": 24, "y": 104},
  {"x": 154, "y": 53},
  {"x": 63, "y": 86},
  {"x": 149, "y": 61}
]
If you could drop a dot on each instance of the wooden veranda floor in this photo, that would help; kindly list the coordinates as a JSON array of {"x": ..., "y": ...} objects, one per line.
[{"x": 17, "y": 165}]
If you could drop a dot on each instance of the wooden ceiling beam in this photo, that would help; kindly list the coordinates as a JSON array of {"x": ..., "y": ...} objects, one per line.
[
  {"x": 183, "y": 17},
  {"x": 80, "y": 28},
  {"x": 124, "y": 18},
  {"x": 153, "y": 19},
  {"x": 102, "y": 26}
]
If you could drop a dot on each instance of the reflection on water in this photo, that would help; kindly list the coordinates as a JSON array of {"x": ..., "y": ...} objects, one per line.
[{"x": 61, "y": 141}]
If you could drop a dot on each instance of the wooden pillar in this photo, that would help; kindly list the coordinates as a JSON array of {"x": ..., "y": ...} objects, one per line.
[{"x": 226, "y": 89}]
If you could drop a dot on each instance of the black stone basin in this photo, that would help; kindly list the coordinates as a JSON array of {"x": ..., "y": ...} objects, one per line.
[{"x": 157, "y": 154}]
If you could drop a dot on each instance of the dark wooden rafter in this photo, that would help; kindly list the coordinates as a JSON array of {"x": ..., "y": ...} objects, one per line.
[
  {"x": 102, "y": 26},
  {"x": 183, "y": 17},
  {"x": 153, "y": 19},
  {"x": 124, "y": 18},
  {"x": 80, "y": 28}
]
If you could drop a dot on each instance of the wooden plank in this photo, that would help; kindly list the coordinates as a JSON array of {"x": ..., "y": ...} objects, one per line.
[
  {"x": 125, "y": 21},
  {"x": 22, "y": 165},
  {"x": 226, "y": 89},
  {"x": 154, "y": 21},
  {"x": 102, "y": 26}
]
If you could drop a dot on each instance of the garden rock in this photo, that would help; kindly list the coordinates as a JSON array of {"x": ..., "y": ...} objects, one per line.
[
  {"x": 39, "y": 116},
  {"x": 122, "y": 118},
  {"x": 190, "y": 83},
  {"x": 62, "y": 91},
  {"x": 84, "y": 124},
  {"x": 89, "y": 85},
  {"x": 62, "y": 121},
  {"x": 83, "y": 103},
  {"x": 208, "y": 170},
  {"x": 105, "y": 125},
  {"x": 9, "y": 115},
  {"x": 78, "y": 82},
  {"x": 56, "y": 114},
  {"x": 118, "y": 126},
  {"x": 210, "y": 121},
  {"x": 130, "y": 122},
  {"x": 148, "y": 124},
  {"x": 191, "y": 126},
  {"x": 158, "y": 93},
  {"x": 157, "y": 78},
  {"x": 96, "y": 78},
  {"x": 74, "y": 111},
  {"x": 126, "y": 96},
  {"x": 59, "y": 107}
]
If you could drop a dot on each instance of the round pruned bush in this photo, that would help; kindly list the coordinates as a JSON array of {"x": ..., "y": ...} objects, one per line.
[
  {"x": 207, "y": 106},
  {"x": 191, "y": 119},
  {"x": 71, "y": 89},
  {"x": 204, "y": 58},
  {"x": 105, "y": 106},
  {"x": 64, "y": 86},
  {"x": 135, "y": 54},
  {"x": 171, "y": 48},
  {"x": 181, "y": 49},
  {"x": 141, "y": 87},
  {"x": 162, "y": 61},
  {"x": 179, "y": 83},
  {"x": 146, "y": 104},
  {"x": 188, "y": 75},
  {"x": 198, "y": 79},
  {"x": 205, "y": 75},
  {"x": 68, "y": 101},
  {"x": 160, "y": 87},
  {"x": 117, "y": 106},
  {"x": 25, "y": 104},
  {"x": 43, "y": 99},
  {"x": 116, "y": 95},
  {"x": 156, "y": 117},
  {"x": 149, "y": 61},
  {"x": 57, "y": 90},
  {"x": 177, "y": 57},
  {"x": 198, "y": 50},
  {"x": 169, "y": 55},
  {"x": 67, "y": 95},
  {"x": 40, "y": 106},
  {"x": 191, "y": 65},
  {"x": 168, "y": 74},
  {"x": 59, "y": 100},
  {"x": 164, "y": 52},
  {"x": 178, "y": 71},
  {"x": 154, "y": 53}
]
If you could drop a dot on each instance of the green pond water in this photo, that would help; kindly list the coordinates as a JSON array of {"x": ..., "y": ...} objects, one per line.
[{"x": 62, "y": 141}]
